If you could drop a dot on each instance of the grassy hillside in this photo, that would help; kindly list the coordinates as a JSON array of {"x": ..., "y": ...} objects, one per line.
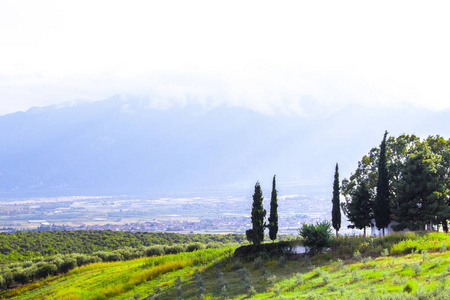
[{"x": 415, "y": 267}]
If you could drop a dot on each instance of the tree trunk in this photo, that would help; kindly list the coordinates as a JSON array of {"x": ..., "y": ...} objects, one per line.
[
  {"x": 364, "y": 231},
  {"x": 445, "y": 226},
  {"x": 337, "y": 232},
  {"x": 383, "y": 231}
]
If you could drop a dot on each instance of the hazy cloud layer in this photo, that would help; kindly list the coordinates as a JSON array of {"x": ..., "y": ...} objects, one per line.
[{"x": 283, "y": 57}]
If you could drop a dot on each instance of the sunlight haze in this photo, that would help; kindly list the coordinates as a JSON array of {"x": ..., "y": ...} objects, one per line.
[{"x": 260, "y": 54}]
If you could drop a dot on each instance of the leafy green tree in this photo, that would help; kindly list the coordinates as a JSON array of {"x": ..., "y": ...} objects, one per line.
[
  {"x": 256, "y": 234},
  {"x": 336, "y": 210},
  {"x": 423, "y": 192},
  {"x": 367, "y": 172},
  {"x": 397, "y": 152},
  {"x": 358, "y": 208},
  {"x": 273, "y": 218},
  {"x": 381, "y": 209},
  {"x": 440, "y": 146}
]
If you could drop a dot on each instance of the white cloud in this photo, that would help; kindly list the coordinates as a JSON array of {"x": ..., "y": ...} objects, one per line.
[{"x": 254, "y": 53}]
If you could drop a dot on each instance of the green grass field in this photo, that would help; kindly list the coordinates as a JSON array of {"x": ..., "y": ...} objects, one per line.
[{"x": 217, "y": 274}]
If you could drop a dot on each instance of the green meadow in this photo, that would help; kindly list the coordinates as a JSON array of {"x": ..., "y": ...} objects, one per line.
[{"x": 413, "y": 266}]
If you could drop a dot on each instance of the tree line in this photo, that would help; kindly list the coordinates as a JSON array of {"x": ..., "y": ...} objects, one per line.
[
  {"x": 405, "y": 179},
  {"x": 20, "y": 246}
]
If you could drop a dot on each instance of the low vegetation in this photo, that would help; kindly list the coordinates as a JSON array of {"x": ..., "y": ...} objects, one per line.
[
  {"x": 398, "y": 266},
  {"x": 22, "y": 246}
]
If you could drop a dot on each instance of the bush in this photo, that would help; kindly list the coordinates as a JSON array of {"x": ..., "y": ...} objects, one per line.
[
  {"x": 316, "y": 236},
  {"x": 270, "y": 250},
  {"x": 7, "y": 279},
  {"x": 175, "y": 249},
  {"x": 128, "y": 253},
  {"x": 194, "y": 247},
  {"x": 157, "y": 250},
  {"x": 68, "y": 264},
  {"x": 21, "y": 276},
  {"x": 357, "y": 255},
  {"x": 108, "y": 256},
  {"x": 46, "y": 269},
  {"x": 83, "y": 259}
]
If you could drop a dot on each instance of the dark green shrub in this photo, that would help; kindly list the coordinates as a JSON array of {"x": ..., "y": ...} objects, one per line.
[
  {"x": 114, "y": 256},
  {"x": 108, "y": 256},
  {"x": 317, "y": 236},
  {"x": 128, "y": 253},
  {"x": 81, "y": 259},
  {"x": 31, "y": 270},
  {"x": 27, "y": 264},
  {"x": 67, "y": 265},
  {"x": 157, "y": 250},
  {"x": 57, "y": 260},
  {"x": 8, "y": 278},
  {"x": 214, "y": 245},
  {"x": 194, "y": 247},
  {"x": 269, "y": 250},
  {"x": 174, "y": 249},
  {"x": 46, "y": 269},
  {"x": 21, "y": 276}
]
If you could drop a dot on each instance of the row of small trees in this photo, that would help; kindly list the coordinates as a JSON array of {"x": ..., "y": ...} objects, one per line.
[
  {"x": 405, "y": 179},
  {"x": 42, "y": 267},
  {"x": 256, "y": 234}
]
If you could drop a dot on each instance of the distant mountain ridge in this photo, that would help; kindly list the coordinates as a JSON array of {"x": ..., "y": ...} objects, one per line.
[{"x": 123, "y": 145}]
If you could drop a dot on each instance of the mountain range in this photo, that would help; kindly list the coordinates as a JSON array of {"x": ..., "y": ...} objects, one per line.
[{"x": 127, "y": 144}]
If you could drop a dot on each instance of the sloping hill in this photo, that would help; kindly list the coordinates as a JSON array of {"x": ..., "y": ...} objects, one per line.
[{"x": 216, "y": 274}]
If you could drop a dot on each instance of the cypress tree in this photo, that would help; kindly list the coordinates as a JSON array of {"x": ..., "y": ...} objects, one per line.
[
  {"x": 336, "y": 210},
  {"x": 273, "y": 218},
  {"x": 381, "y": 206},
  {"x": 256, "y": 234}
]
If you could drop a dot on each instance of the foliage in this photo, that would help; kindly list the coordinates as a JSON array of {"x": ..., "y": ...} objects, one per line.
[
  {"x": 359, "y": 207},
  {"x": 256, "y": 234},
  {"x": 414, "y": 171},
  {"x": 316, "y": 236},
  {"x": 336, "y": 210},
  {"x": 381, "y": 208},
  {"x": 432, "y": 241},
  {"x": 423, "y": 193},
  {"x": 39, "y": 268},
  {"x": 21, "y": 246},
  {"x": 173, "y": 276},
  {"x": 273, "y": 218}
]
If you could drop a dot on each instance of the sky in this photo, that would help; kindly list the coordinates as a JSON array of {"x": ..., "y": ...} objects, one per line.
[{"x": 268, "y": 55}]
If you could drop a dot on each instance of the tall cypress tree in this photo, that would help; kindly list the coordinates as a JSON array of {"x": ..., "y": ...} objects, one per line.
[
  {"x": 256, "y": 234},
  {"x": 336, "y": 210},
  {"x": 273, "y": 218},
  {"x": 381, "y": 206}
]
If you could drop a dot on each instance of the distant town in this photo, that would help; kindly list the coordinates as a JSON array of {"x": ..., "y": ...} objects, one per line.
[{"x": 200, "y": 214}]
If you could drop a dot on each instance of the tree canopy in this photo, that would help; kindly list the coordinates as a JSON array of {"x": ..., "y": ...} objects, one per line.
[{"x": 411, "y": 173}]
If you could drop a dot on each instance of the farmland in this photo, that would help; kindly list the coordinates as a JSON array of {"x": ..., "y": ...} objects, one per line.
[{"x": 214, "y": 212}]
